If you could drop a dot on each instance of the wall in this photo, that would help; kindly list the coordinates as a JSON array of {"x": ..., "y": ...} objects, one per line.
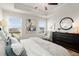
[
  {"x": 1, "y": 15},
  {"x": 67, "y": 10},
  {"x": 24, "y": 34}
]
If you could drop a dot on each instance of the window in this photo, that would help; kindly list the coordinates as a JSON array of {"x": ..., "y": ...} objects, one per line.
[
  {"x": 14, "y": 25},
  {"x": 14, "y": 22},
  {"x": 42, "y": 26}
]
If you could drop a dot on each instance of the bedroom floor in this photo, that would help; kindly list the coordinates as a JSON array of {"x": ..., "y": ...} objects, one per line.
[{"x": 72, "y": 53}]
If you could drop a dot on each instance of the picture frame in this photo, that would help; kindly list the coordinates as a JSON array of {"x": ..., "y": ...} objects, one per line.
[{"x": 30, "y": 26}]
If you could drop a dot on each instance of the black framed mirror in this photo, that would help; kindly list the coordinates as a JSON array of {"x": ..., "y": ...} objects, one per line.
[{"x": 66, "y": 23}]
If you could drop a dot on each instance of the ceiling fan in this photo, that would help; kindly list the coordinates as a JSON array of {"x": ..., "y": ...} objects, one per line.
[
  {"x": 52, "y": 3},
  {"x": 48, "y": 4}
]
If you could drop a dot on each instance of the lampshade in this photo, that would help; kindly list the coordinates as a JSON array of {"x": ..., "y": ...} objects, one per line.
[
  {"x": 4, "y": 23},
  {"x": 76, "y": 24},
  {"x": 0, "y": 19}
]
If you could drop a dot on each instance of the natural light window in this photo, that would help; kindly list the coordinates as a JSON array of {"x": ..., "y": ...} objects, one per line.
[
  {"x": 14, "y": 25},
  {"x": 14, "y": 22},
  {"x": 42, "y": 25}
]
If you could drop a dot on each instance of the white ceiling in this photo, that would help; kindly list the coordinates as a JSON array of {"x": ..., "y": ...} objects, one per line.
[
  {"x": 10, "y": 7},
  {"x": 41, "y": 6},
  {"x": 29, "y": 8}
]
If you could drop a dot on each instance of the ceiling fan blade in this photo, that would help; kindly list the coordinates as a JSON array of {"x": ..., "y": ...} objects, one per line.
[{"x": 52, "y": 3}]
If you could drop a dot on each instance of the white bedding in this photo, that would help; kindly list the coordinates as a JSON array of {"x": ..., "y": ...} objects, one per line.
[{"x": 35, "y": 46}]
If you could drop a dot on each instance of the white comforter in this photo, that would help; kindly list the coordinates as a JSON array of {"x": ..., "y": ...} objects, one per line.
[{"x": 35, "y": 46}]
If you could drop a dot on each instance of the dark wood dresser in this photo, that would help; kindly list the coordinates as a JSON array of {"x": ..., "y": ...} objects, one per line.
[{"x": 67, "y": 40}]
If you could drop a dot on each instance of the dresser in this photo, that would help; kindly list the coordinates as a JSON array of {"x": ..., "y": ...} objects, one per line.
[{"x": 67, "y": 40}]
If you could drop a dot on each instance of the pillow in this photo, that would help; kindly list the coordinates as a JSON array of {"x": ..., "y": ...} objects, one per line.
[
  {"x": 14, "y": 40},
  {"x": 17, "y": 48}
]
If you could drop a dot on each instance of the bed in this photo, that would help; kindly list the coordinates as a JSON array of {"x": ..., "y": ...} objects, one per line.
[
  {"x": 36, "y": 46},
  {"x": 33, "y": 46}
]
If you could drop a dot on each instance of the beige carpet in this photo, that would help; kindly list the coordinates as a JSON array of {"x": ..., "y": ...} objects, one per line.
[{"x": 73, "y": 53}]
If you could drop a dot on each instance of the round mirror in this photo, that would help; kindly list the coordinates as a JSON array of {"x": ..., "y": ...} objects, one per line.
[{"x": 66, "y": 23}]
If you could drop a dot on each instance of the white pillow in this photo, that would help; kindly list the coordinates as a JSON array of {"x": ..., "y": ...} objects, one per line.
[
  {"x": 17, "y": 48},
  {"x": 14, "y": 40}
]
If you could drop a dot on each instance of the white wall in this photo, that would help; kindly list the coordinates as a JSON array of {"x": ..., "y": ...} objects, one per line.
[
  {"x": 1, "y": 14},
  {"x": 24, "y": 17},
  {"x": 67, "y": 10}
]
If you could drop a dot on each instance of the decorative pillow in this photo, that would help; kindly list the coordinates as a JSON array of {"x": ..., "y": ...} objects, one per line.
[{"x": 17, "y": 48}]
